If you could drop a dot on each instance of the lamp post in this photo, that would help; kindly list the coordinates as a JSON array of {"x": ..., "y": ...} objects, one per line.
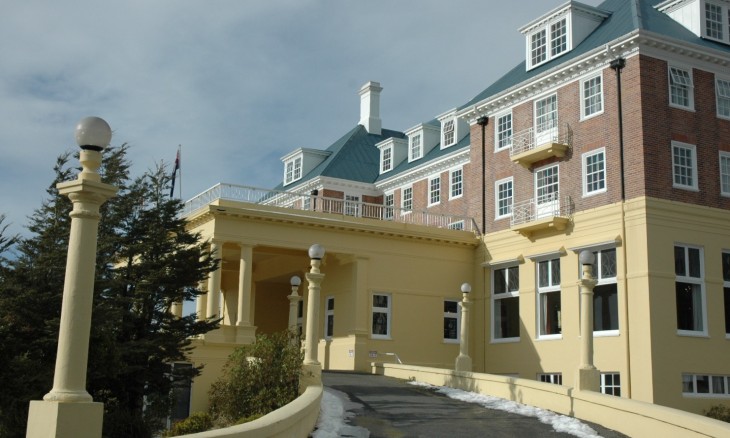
[
  {"x": 68, "y": 410},
  {"x": 463, "y": 361},
  {"x": 314, "y": 277},
  {"x": 293, "y": 305},
  {"x": 588, "y": 376}
]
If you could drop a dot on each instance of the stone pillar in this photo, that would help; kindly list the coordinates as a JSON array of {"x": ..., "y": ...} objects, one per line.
[
  {"x": 214, "y": 284},
  {"x": 589, "y": 378},
  {"x": 245, "y": 277},
  {"x": 177, "y": 309},
  {"x": 463, "y": 361},
  {"x": 294, "y": 305},
  {"x": 201, "y": 302}
]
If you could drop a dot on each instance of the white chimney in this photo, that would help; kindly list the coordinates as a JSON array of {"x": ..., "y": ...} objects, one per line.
[{"x": 370, "y": 107}]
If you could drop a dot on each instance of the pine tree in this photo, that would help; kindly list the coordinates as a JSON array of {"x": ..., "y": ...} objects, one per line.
[{"x": 146, "y": 260}]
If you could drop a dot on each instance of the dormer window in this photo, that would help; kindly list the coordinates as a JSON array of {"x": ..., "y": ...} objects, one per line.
[
  {"x": 707, "y": 19},
  {"x": 558, "y": 39},
  {"x": 293, "y": 170},
  {"x": 714, "y": 21},
  {"x": 416, "y": 150},
  {"x": 449, "y": 133},
  {"x": 386, "y": 159}
]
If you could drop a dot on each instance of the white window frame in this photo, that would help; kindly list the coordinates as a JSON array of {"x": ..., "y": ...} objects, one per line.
[
  {"x": 696, "y": 281},
  {"x": 678, "y": 82},
  {"x": 724, "y": 18},
  {"x": 329, "y": 314},
  {"x": 547, "y": 52},
  {"x": 448, "y": 133},
  {"x": 542, "y": 292},
  {"x": 415, "y": 146},
  {"x": 406, "y": 202},
  {"x": 292, "y": 170},
  {"x": 724, "y": 173},
  {"x": 456, "y": 183},
  {"x": 503, "y": 131},
  {"x": 389, "y": 206},
  {"x": 726, "y": 290},
  {"x": 381, "y": 310},
  {"x": 546, "y": 122},
  {"x": 600, "y": 174},
  {"x": 455, "y": 316},
  {"x": 552, "y": 378},
  {"x": 507, "y": 294},
  {"x": 594, "y": 100},
  {"x": 611, "y": 387},
  {"x": 722, "y": 96},
  {"x": 604, "y": 278},
  {"x": 678, "y": 169},
  {"x": 386, "y": 159},
  {"x": 713, "y": 380},
  {"x": 547, "y": 191},
  {"x": 352, "y": 205},
  {"x": 434, "y": 190},
  {"x": 499, "y": 198},
  {"x": 458, "y": 225}
]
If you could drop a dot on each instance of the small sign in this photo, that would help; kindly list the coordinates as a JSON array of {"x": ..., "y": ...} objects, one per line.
[
  {"x": 373, "y": 354},
  {"x": 351, "y": 353}
]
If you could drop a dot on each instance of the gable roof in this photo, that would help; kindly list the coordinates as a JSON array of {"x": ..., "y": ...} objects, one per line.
[
  {"x": 626, "y": 16},
  {"x": 432, "y": 155},
  {"x": 352, "y": 157}
]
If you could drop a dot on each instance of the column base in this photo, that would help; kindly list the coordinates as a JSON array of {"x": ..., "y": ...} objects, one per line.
[
  {"x": 64, "y": 420},
  {"x": 463, "y": 363},
  {"x": 311, "y": 375},
  {"x": 588, "y": 379}
]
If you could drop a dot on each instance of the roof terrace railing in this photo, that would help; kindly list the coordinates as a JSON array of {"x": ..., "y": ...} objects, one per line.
[{"x": 341, "y": 207}]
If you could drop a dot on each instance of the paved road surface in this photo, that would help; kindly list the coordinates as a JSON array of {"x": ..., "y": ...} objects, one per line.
[{"x": 391, "y": 408}]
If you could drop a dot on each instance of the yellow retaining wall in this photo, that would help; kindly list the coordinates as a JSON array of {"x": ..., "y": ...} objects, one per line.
[
  {"x": 296, "y": 419},
  {"x": 631, "y": 417}
]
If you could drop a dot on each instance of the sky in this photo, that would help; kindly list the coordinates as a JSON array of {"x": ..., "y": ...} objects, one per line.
[{"x": 237, "y": 84}]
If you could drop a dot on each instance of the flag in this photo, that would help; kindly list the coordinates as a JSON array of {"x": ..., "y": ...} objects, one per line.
[{"x": 174, "y": 171}]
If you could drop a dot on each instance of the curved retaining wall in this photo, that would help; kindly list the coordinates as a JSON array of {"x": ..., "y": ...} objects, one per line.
[
  {"x": 296, "y": 419},
  {"x": 630, "y": 417}
]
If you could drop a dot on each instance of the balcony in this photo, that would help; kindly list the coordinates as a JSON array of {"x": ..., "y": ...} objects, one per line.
[
  {"x": 321, "y": 204},
  {"x": 543, "y": 213},
  {"x": 538, "y": 143}
]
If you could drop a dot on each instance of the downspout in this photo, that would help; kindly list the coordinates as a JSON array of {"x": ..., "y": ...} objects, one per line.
[
  {"x": 618, "y": 65},
  {"x": 482, "y": 121}
]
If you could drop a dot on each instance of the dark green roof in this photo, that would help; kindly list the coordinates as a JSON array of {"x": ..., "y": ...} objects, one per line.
[
  {"x": 625, "y": 17},
  {"x": 432, "y": 155}
]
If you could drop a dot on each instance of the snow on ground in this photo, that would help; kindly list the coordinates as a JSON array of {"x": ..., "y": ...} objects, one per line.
[
  {"x": 560, "y": 423},
  {"x": 335, "y": 411}
]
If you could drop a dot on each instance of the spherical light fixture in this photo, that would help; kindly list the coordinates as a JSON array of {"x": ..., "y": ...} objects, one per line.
[
  {"x": 93, "y": 133},
  {"x": 295, "y": 281},
  {"x": 587, "y": 257},
  {"x": 465, "y": 288},
  {"x": 316, "y": 252}
]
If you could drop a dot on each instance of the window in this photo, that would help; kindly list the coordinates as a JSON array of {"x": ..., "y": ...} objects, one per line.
[
  {"x": 456, "y": 177},
  {"x": 722, "y": 94},
  {"x": 605, "y": 293},
  {"x": 504, "y": 197},
  {"x": 684, "y": 166},
  {"x": 592, "y": 97},
  {"x": 725, "y": 173},
  {"x": 547, "y": 192},
  {"x": 713, "y": 21},
  {"x": 611, "y": 384},
  {"x": 690, "y": 293},
  {"x": 503, "y": 137},
  {"x": 407, "y": 199},
  {"x": 293, "y": 170},
  {"x": 594, "y": 172},
  {"x": 381, "y": 316},
  {"x": 386, "y": 159},
  {"x": 458, "y": 225},
  {"x": 389, "y": 204},
  {"x": 434, "y": 190},
  {"x": 681, "y": 88},
  {"x": 329, "y": 319},
  {"x": 548, "y": 291},
  {"x": 452, "y": 319},
  {"x": 704, "y": 384},
  {"x": 546, "y": 119},
  {"x": 449, "y": 134},
  {"x": 415, "y": 150},
  {"x": 554, "y": 34},
  {"x": 506, "y": 304},
  {"x": 300, "y": 317},
  {"x": 352, "y": 205},
  {"x": 181, "y": 390},
  {"x": 554, "y": 378},
  {"x": 726, "y": 289}
]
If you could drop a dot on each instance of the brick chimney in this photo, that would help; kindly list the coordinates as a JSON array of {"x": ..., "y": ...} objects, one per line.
[{"x": 370, "y": 107}]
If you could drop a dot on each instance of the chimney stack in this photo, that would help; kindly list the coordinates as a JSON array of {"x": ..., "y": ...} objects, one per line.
[{"x": 370, "y": 107}]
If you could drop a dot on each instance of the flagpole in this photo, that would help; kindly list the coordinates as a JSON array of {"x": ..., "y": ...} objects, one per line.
[{"x": 179, "y": 169}]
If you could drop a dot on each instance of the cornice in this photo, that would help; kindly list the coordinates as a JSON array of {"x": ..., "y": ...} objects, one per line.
[{"x": 425, "y": 170}]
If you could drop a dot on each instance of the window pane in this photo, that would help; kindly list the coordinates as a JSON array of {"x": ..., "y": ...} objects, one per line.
[
  {"x": 694, "y": 262},
  {"x": 608, "y": 263},
  {"x": 555, "y": 272},
  {"x": 718, "y": 384},
  {"x": 605, "y": 307},
  {"x": 507, "y": 318},
  {"x": 550, "y": 313},
  {"x": 689, "y": 306},
  {"x": 543, "y": 279},
  {"x": 380, "y": 301},
  {"x": 450, "y": 328},
  {"x": 688, "y": 383},
  {"x": 679, "y": 265},
  {"x": 500, "y": 281},
  {"x": 727, "y": 309},
  {"x": 380, "y": 323},
  {"x": 513, "y": 280},
  {"x": 450, "y": 306},
  {"x": 703, "y": 384}
]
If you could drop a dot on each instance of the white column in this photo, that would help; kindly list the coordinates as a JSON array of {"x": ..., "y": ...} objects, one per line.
[
  {"x": 588, "y": 376},
  {"x": 177, "y": 309},
  {"x": 244, "y": 285},
  {"x": 463, "y": 361},
  {"x": 314, "y": 277},
  {"x": 214, "y": 284},
  {"x": 201, "y": 302},
  {"x": 294, "y": 304}
]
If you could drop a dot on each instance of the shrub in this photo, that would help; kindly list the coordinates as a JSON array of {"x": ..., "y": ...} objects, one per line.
[
  {"x": 197, "y": 422},
  {"x": 719, "y": 412},
  {"x": 257, "y": 379}
]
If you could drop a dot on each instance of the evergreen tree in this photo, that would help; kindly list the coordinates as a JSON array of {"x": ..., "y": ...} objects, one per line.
[{"x": 146, "y": 260}]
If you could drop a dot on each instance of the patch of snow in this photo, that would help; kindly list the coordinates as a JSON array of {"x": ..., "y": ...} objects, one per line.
[
  {"x": 335, "y": 411},
  {"x": 560, "y": 423}
]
